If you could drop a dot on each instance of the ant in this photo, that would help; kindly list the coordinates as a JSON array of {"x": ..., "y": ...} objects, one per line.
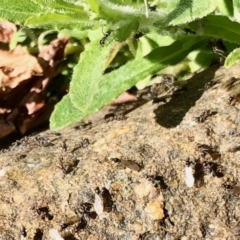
[
  {"x": 63, "y": 145},
  {"x": 204, "y": 115},
  {"x": 111, "y": 117},
  {"x": 137, "y": 35},
  {"x": 157, "y": 181},
  {"x": 38, "y": 234},
  {"x": 43, "y": 212},
  {"x": 105, "y": 37},
  {"x": 23, "y": 231},
  {"x": 189, "y": 31},
  {"x": 209, "y": 84},
  {"x": 214, "y": 169},
  {"x": 84, "y": 143},
  {"x": 67, "y": 168},
  {"x": 205, "y": 149},
  {"x": 85, "y": 210},
  {"x": 105, "y": 199}
]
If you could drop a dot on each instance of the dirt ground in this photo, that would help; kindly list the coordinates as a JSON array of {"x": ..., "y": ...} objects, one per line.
[{"x": 169, "y": 171}]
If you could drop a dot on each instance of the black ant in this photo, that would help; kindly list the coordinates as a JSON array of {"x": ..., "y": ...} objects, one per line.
[
  {"x": 189, "y": 31},
  {"x": 105, "y": 37},
  {"x": 214, "y": 169},
  {"x": 209, "y": 84},
  {"x": 85, "y": 210},
  {"x": 105, "y": 199},
  {"x": 38, "y": 234},
  {"x": 137, "y": 35},
  {"x": 67, "y": 168},
  {"x": 43, "y": 212},
  {"x": 84, "y": 143},
  {"x": 63, "y": 145},
  {"x": 23, "y": 231},
  {"x": 156, "y": 181},
  {"x": 152, "y": 8},
  {"x": 204, "y": 115},
  {"x": 205, "y": 149},
  {"x": 111, "y": 117}
]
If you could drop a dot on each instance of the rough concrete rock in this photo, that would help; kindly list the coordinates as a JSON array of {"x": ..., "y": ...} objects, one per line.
[{"x": 49, "y": 182}]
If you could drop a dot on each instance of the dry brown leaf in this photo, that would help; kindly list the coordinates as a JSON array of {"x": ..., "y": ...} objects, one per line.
[
  {"x": 17, "y": 66},
  {"x": 30, "y": 122},
  {"x": 23, "y": 82},
  {"x": 54, "y": 51},
  {"x": 7, "y": 30},
  {"x": 6, "y": 128}
]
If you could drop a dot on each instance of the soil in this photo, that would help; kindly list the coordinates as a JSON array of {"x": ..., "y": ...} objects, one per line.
[{"x": 169, "y": 170}]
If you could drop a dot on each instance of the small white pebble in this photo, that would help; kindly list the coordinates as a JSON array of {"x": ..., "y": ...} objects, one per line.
[
  {"x": 3, "y": 172},
  {"x": 189, "y": 176},
  {"x": 55, "y": 234},
  {"x": 98, "y": 205}
]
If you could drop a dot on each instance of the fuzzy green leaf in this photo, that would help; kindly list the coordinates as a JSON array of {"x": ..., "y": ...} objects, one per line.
[
  {"x": 219, "y": 27},
  {"x": 58, "y": 21},
  {"x": 64, "y": 114},
  {"x": 236, "y": 7},
  {"x": 225, "y": 7},
  {"x": 87, "y": 74},
  {"x": 44, "y": 13},
  {"x": 125, "y": 30},
  {"x": 93, "y": 5},
  {"x": 185, "y": 11},
  {"x": 117, "y": 11},
  {"x": 91, "y": 91},
  {"x": 110, "y": 10},
  {"x": 232, "y": 58},
  {"x": 19, "y": 11},
  {"x": 128, "y": 75}
]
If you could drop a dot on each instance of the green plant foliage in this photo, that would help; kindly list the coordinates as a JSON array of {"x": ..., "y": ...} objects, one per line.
[
  {"x": 185, "y": 11},
  {"x": 126, "y": 29},
  {"x": 175, "y": 31},
  {"x": 64, "y": 114},
  {"x": 91, "y": 90},
  {"x": 219, "y": 27},
  {"x": 236, "y": 7},
  {"x": 40, "y": 13},
  {"x": 58, "y": 21},
  {"x": 19, "y": 11},
  {"x": 225, "y": 7},
  {"x": 232, "y": 58},
  {"x": 87, "y": 75}
]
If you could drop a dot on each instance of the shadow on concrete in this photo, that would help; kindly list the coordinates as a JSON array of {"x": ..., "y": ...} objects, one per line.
[{"x": 171, "y": 114}]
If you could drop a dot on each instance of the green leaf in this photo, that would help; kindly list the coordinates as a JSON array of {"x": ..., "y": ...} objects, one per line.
[
  {"x": 219, "y": 27},
  {"x": 93, "y": 5},
  {"x": 90, "y": 92},
  {"x": 236, "y": 7},
  {"x": 19, "y": 11},
  {"x": 63, "y": 6},
  {"x": 232, "y": 58},
  {"x": 189, "y": 10},
  {"x": 87, "y": 74},
  {"x": 45, "y": 13},
  {"x": 200, "y": 59},
  {"x": 126, "y": 28},
  {"x": 225, "y": 7},
  {"x": 120, "y": 80},
  {"x": 118, "y": 12},
  {"x": 59, "y": 21},
  {"x": 64, "y": 114}
]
